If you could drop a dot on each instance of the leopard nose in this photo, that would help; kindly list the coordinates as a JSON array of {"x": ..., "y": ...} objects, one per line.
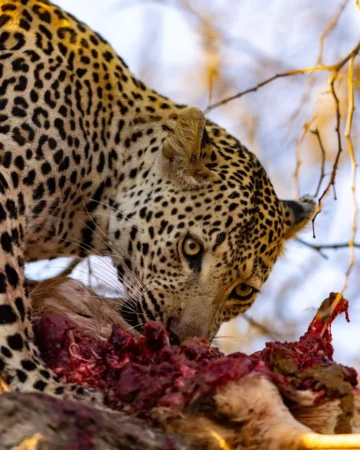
[
  {"x": 173, "y": 338},
  {"x": 185, "y": 329}
]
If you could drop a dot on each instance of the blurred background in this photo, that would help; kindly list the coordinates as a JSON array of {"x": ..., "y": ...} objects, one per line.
[{"x": 201, "y": 51}]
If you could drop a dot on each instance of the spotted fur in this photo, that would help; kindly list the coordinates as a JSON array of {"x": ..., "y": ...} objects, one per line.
[{"x": 93, "y": 160}]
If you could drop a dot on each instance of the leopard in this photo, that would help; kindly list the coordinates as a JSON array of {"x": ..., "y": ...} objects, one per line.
[{"x": 93, "y": 161}]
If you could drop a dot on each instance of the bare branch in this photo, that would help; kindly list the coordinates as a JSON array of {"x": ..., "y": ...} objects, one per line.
[
  {"x": 329, "y": 29},
  {"x": 337, "y": 158},
  {"x": 334, "y": 68},
  {"x": 350, "y": 115},
  {"x": 312, "y": 246},
  {"x": 341, "y": 64},
  {"x": 299, "y": 141},
  {"x": 264, "y": 330},
  {"x": 67, "y": 271},
  {"x": 332, "y": 80},
  {"x": 319, "y": 247},
  {"x": 323, "y": 159},
  {"x": 310, "y": 80}
]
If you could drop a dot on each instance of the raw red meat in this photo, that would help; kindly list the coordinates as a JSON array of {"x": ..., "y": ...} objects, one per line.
[
  {"x": 137, "y": 375},
  {"x": 313, "y": 350}
]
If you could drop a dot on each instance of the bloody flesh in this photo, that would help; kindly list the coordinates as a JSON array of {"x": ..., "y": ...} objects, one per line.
[
  {"x": 137, "y": 375},
  {"x": 313, "y": 350}
]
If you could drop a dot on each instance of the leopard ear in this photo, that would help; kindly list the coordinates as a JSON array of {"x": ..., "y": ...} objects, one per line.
[
  {"x": 184, "y": 147},
  {"x": 297, "y": 214}
]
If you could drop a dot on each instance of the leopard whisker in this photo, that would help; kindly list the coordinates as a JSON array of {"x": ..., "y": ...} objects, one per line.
[
  {"x": 105, "y": 242},
  {"x": 141, "y": 230}
]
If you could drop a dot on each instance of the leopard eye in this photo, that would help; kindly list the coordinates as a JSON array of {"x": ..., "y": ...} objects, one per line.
[
  {"x": 242, "y": 292},
  {"x": 191, "y": 247}
]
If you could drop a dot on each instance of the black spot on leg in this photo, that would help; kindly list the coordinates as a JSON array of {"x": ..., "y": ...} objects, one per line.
[
  {"x": 28, "y": 365},
  {"x": 45, "y": 373},
  {"x": 15, "y": 179},
  {"x": 38, "y": 208},
  {"x": 11, "y": 207},
  {"x": 59, "y": 390},
  {"x": 15, "y": 342},
  {"x": 12, "y": 275},
  {"x": 80, "y": 390},
  {"x": 38, "y": 192},
  {"x": 19, "y": 162},
  {"x": 2, "y": 284},
  {"x": 6, "y": 242},
  {"x": 19, "y": 303},
  {"x": 3, "y": 184},
  {"x": 40, "y": 385},
  {"x": 7, "y": 315},
  {"x": 45, "y": 168},
  {"x": 6, "y": 352},
  {"x": 30, "y": 178},
  {"x": 21, "y": 375},
  {"x": 15, "y": 236},
  {"x": 21, "y": 204},
  {"x": 2, "y": 213}
]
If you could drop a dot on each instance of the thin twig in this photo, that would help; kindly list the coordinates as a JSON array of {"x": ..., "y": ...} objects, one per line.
[
  {"x": 261, "y": 327},
  {"x": 329, "y": 68},
  {"x": 309, "y": 84},
  {"x": 67, "y": 271},
  {"x": 331, "y": 182},
  {"x": 329, "y": 29},
  {"x": 323, "y": 159},
  {"x": 312, "y": 246},
  {"x": 333, "y": 78},
  {"x": 351, "y": 108},
  {"x": 319, "y": 247},
  {"x": 310, "y": 80},
  {"x": 299, "y": 141}
]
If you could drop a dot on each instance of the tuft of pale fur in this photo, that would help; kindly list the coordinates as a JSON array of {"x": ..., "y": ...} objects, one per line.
[
  {"x": 249, "y": 414},
  {"x": 256, "y": 406},
  {"x": 182, "y": 149},
  {"x": 72, "y": 298},
  {"x": 184, "y": 144}
]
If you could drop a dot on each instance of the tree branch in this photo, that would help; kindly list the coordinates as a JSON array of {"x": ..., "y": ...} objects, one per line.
[
  {"x": 329, "y": 68},
  {"x": 319, "y": 247},
  {"x": 350, "y": 115},
  {"x": 72, "y": 265},
  {"x": 323, "y": 158},
  {"x": 337, "y": 158}
]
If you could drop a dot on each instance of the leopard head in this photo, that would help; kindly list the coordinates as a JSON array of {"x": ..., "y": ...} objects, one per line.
[{"x": 209, "y": 228}]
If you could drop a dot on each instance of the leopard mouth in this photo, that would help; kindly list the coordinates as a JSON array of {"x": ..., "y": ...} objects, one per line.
[{"x": 132, "y": 318}]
